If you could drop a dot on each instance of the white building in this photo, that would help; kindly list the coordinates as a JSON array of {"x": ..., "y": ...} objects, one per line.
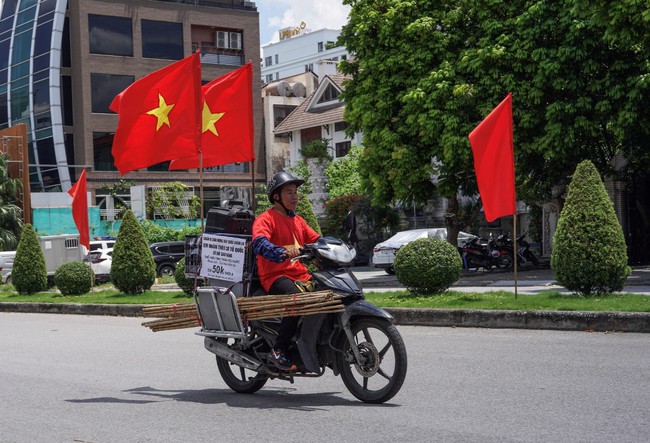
[{"x": 298, "y": 51}]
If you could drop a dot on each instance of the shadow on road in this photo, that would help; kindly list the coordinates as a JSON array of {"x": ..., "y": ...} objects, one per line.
[{"x": 267, "y": 398}]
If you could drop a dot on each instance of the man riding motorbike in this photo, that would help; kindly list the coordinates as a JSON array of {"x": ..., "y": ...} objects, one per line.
[{"x": 278, "y": 234}]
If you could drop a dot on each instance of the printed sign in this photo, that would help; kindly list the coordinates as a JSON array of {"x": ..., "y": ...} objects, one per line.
[{"x": 223, "y": 257}]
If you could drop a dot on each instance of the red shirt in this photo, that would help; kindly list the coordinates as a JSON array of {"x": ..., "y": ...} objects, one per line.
[{"x": 286, "y": 232}]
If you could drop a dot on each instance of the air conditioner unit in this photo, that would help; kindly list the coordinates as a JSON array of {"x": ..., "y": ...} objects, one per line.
[
  {"x": 235, "y": 40},
  {"x": 221, "y": 39}
]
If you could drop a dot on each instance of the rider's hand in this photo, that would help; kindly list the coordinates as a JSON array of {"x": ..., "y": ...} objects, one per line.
[{"x": 292, "y": 252}]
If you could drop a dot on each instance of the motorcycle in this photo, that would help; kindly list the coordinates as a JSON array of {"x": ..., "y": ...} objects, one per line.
[
  {"x": 524, "y": 254},
  {"x": 361, "y": 344},
  {"x": 485, "y": 255}
]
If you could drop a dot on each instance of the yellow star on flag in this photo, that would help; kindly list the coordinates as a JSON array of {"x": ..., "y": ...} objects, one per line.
[
  {"x": 161, "y": 112},
  {"x": 209, "y": 119}
]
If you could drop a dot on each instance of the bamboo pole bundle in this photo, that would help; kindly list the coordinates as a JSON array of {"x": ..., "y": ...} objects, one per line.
[{"x": 185, "y": 315}]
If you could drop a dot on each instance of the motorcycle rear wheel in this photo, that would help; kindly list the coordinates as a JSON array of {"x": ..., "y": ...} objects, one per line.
[
  {"x": 382, "y": 345},
  {"x": 241, "y": 380}
]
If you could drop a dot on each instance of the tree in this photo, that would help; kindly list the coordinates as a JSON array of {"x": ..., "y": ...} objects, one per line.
[
  {"x": 29, "y": 274},
  {"x": 589, "y": 252},
  {"x": 133, "y": 270},
  {"x": 424, "y": 74},
  {"x": 343, "y": 174},
  {"x": 11, "y": 222}
]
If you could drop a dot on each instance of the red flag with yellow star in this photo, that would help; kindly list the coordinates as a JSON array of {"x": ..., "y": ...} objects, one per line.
[
  {"x": 159, "y": 116},
  {"x": 227, "y": 123}
]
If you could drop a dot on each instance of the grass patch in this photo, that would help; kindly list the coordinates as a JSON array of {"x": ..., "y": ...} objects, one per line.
[{"x": 550, "y": 300}]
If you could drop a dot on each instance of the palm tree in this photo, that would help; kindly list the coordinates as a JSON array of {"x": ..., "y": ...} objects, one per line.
[{"x": 11, "y": 221}]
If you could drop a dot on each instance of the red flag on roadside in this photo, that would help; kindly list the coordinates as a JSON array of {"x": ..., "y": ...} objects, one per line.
[
  {"x": 159, "y": 116},
  {"x": 227, "y": 121},
  {"x": 494, "y": 161},
  {"x": 80, "y": 209}
]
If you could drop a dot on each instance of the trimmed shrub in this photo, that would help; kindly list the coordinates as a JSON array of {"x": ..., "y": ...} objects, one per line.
[
  {"x": 186, "y": 284},
  {"x": 428, "y": 265},
  {"x": 589, "y": 252},
  {"x": 133, "y": 270},
  {"x": 29, "y": 274},
  {"x": 305, "y": 210},
  {"x": 74, "y": 278}
]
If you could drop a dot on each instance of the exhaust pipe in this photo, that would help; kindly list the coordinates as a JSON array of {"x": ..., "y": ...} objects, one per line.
[{"x": 233, "y": 356}]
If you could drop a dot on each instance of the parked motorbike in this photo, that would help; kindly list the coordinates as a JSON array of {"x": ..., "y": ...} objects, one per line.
[
  {"x": 485, "y": 255},
  {"x": 524, "y": 254},
  {"x": 360, "y": 344}
]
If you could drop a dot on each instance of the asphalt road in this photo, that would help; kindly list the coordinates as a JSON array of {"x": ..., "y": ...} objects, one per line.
[{"x": 76, "y": 378}]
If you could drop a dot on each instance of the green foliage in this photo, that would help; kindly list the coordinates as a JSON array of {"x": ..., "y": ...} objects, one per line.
[
  {"x": 428, "y": 265},
  {"x": 11, "y": 222},
  {"x": 186, "y": 284},
  {"x": 29, "y": 274},
  {"x": 305, "y": 210},
  {"x": 301, "y": 170},
  {"x": 426, "y": 73},
  {"x": 589, "y": 252},
  {"x": 343, "y": 174},
  {"x": 133, "y": 270},
  {"x": 336, "y": 210},
  {"x": 74, "y": 278},
  {"x": 262, "y": 202},
  {"x": 318, "y": 149},
  {"x": 168, "y": 199},
  {"x": 155, "y": 233}
]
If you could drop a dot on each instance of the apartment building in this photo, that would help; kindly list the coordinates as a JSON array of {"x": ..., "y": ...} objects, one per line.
[{"x": 62, "y": 63}]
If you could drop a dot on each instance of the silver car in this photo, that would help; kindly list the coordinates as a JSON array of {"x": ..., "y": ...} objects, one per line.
[{"x": 383, "y": 254}]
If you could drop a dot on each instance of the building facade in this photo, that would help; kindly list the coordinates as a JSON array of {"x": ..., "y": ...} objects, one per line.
[
  {"x": 298, "y": 51},
  {"x": 62, "y": 63}
]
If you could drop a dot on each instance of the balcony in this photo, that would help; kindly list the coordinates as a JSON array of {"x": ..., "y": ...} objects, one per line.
[
  {"x": 230, "y": 4},
  {"x": 211, "y": 55}
]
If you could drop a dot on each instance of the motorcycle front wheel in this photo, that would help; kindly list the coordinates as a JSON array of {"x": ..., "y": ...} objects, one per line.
[
  {"x": 241, "y": 380},
  {"x": 381, "y": 375}
]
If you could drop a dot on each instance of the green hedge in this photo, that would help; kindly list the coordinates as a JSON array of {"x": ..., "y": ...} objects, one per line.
[
  {"x": 428, "y": 265},
  {"x": 29, "y": 273},
  {"x": 74, "y": 278}
]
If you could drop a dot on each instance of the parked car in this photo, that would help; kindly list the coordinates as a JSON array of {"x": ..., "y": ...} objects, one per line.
[
  {"x": 383, "y": 254},
  {"x": 6, "y": 265},
  {"x": 100, "y": 262},
  {"x": 166, "y": 255},
  {"x": 106, "y": 245}
]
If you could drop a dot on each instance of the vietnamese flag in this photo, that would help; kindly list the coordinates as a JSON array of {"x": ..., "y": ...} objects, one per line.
[
  {"x": 227, "y": 121},
  {"x": 159, "y": 116},
  {"x": 494, "y": 161},
  {"x": 80, "y": 209}
]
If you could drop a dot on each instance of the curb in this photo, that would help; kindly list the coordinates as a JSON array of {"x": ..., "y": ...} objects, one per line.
[{"x": 466, "y": 318}]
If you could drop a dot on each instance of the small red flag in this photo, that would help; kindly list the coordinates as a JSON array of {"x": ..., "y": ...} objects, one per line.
[
  {"x": 227, "y": 122},
  {"x": 494, "y": 161},
  {"x": 159, "y": 116},
  {"x": 80, "y": 209}
]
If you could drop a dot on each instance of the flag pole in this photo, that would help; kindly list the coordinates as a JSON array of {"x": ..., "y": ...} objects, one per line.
[
  {"x": 201, "y": 187},
  {"x": 253, "y": 199},
  {"x": 514, "y": 234}
]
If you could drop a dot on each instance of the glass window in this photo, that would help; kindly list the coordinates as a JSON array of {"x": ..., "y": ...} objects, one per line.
[
  {"x": 20, "y": 70},
  {"x": 340, "y": 126},
  {"x": 320, "y": 46},
  {"x": 19, "y": 103},
  {"x": 65, "y": 44},
  {"x": 276, "y": 59},
  {"x": 105, "y": 87},
  {"x": 269, "y": 78},
  {"x": 47, "y": 6},
  {"x": 66, "y": 100},
  {"x": 342, "y": 149},
  {"x": 4, "y": 117},
  {"x": 330, "y": 94},
  {"x": 4, "y": 54},
  {"x": 110, "y": 35},
  {"x": 43, "y": 37},
  {"x": 41, "y": 100},
  {"x": 268, "y": 61},
  {"x": 43, "y": 120},
  {"x": 102, "y": 145},
  {"x": 162, "y": 40},
  {"x": 41, "y": 62},
  {"x": 159, "y": 167},
  {"x": 3, "y": 76},
  {"x": 22, "y": 47}
]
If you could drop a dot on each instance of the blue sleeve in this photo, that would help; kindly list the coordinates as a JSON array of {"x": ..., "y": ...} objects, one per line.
[{"x": 262, "y": 246}]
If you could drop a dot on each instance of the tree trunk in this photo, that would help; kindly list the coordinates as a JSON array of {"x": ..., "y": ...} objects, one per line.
[{"x": 451, "y": 219}]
